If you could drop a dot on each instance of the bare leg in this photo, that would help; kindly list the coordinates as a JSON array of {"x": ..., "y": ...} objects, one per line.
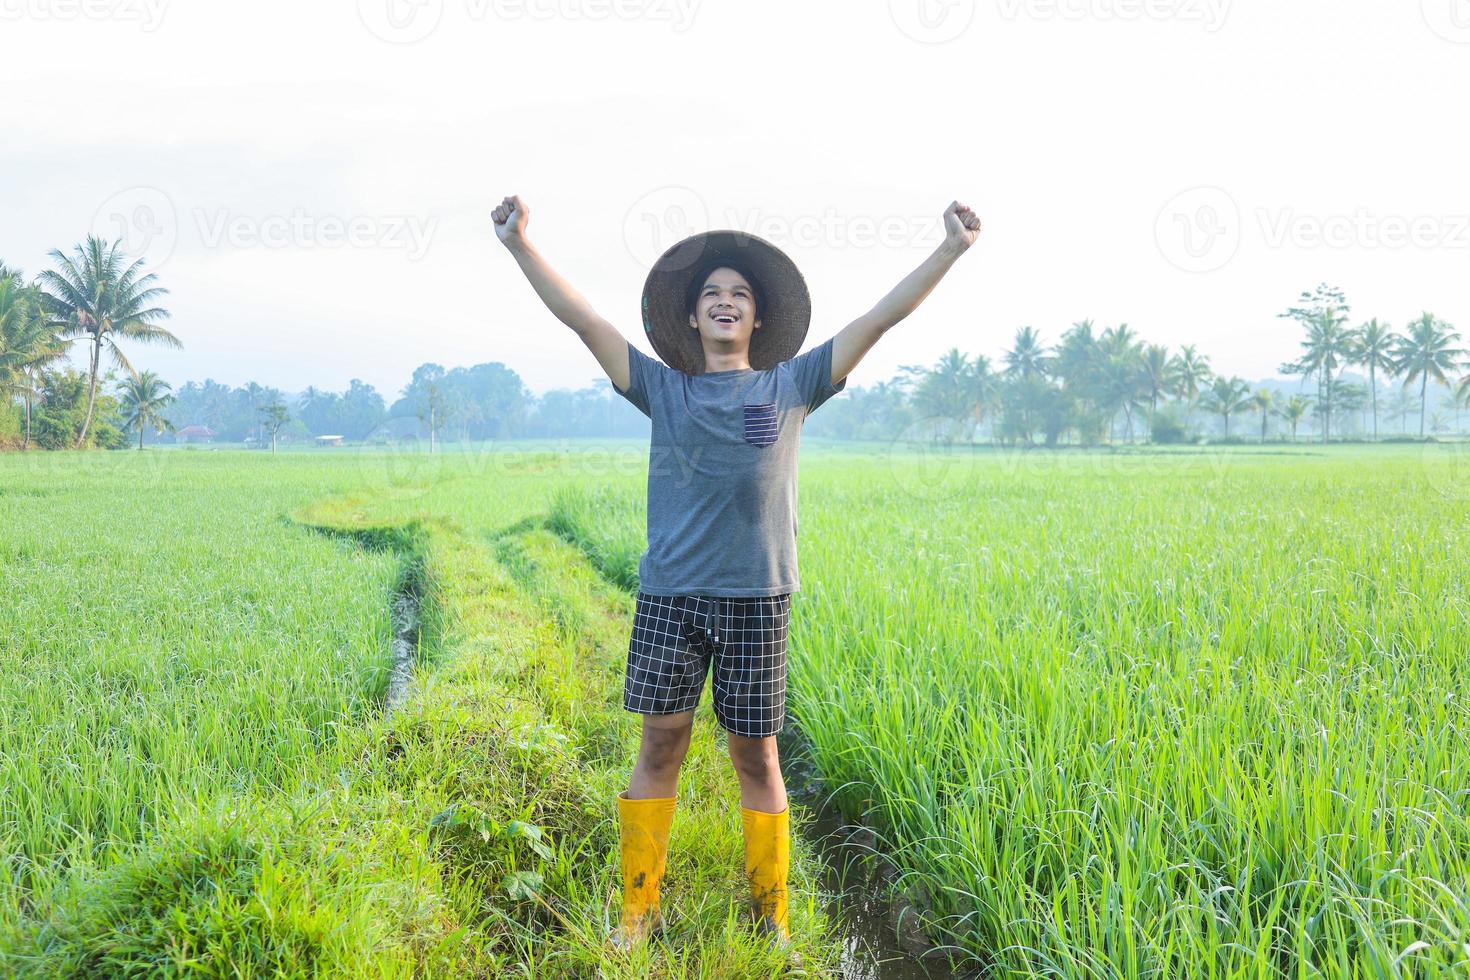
[
  {"x": 661, "y": 753},
  {"x": 758, "y": 765}
]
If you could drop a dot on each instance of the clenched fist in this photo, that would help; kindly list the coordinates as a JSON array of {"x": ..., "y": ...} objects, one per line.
[
  {"x": 961, "y": 225},
  {"x": 510, "y": 220}
]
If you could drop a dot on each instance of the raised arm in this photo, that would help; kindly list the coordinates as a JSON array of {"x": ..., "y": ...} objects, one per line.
[
  {"x": 569, "y": 306},
  {"x": 961, "y": 228}
]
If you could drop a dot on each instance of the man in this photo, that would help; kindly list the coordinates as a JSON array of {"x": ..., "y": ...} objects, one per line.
[{"x": 726, "y": 312}]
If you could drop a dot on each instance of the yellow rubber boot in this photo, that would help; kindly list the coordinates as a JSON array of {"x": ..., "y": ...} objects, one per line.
[
  {"x": 767, "y": 860},
  {"x": 643, "y": 828}
]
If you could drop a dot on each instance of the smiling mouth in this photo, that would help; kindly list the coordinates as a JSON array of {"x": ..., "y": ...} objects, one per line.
[{"x": 724, "y": 318}]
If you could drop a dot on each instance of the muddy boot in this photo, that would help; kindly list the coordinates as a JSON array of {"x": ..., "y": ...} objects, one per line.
[
  {"x": 767, "y": 861},
  {"x": 643, "y": 829}
]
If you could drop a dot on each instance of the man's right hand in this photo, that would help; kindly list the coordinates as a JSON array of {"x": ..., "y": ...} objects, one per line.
[{"x": 510, "y": 220}]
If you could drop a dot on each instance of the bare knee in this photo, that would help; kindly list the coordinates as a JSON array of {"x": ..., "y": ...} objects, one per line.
[
  {"x": 663, "y": 749},
  {"x": 755, "y": 759}
]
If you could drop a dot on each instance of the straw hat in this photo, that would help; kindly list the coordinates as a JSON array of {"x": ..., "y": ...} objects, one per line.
[{"x": 785, "y": 313}]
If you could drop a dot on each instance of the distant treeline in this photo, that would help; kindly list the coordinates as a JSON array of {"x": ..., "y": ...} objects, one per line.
[{"x": 1093, "y": 386}]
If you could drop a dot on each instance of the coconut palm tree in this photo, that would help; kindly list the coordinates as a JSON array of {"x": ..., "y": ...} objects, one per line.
[
  {"x": 1462, "y": 398},
  {"x": 1263, "y": 401},
  {"x": 1027, "y": 359},
  {"x": 1155, "y": 377},
  {"x": 1425, "y": 352},
  {"x": 144, "y": 397},
  {"x": 1294, "y": 411},
  {"x": 1191, "y": 372},
  {"x": 99, "y": 298},
  {"x": 28, "y": 342},
  {"x": 1227, "y": 396},
  {"x": 946, "y": 391},
  {"x": 984, "y": 389},
  {"x": 1400, "y": 409},
  {"x": 1372, "y": 346},
  {"x": 1326, "y": 347}
]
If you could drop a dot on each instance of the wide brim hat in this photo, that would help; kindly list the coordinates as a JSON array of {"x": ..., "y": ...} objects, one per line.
[{"x": 785, "y": 316}]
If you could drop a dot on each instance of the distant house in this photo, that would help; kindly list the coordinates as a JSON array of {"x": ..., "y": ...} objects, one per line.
[
  {"x": 329, "y": 440},
  {"x": 195, "y": 433}
]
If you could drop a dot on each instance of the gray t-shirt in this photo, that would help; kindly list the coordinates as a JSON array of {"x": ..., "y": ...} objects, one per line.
[{"x": 722, "y": 472}]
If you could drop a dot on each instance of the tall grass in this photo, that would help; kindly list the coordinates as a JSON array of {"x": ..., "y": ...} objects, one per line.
[
  {"x": 166, "y": 636},
  {"x": 1152, "y": 716}
]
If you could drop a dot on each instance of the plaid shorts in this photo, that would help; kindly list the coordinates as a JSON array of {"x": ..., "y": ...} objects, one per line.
[{"x": 676, "y": 638}]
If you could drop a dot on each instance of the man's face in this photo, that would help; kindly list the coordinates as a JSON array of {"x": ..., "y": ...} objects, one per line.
[{"x": 724, "y": 313}]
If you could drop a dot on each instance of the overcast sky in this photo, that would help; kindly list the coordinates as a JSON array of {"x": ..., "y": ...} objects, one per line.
[{"x": 313, "y": 181}]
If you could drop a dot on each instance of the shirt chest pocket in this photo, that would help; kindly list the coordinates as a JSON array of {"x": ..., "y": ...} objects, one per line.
[{"x": 760, "y": 424}]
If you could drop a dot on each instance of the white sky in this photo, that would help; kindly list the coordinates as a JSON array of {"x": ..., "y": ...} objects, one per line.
[{"x": 1071, "y": 126}]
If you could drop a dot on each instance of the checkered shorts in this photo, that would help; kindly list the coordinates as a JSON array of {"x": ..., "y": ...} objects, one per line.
[{"x": 676, "y": 638}]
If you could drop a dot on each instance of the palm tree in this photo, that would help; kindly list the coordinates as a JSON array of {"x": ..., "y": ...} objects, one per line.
[
  {"x": 1372, "y": 346},
  {"x": 144, "y": 396},
  {"x": 1027, "y": 360},
  {"x": 1263, "y": 401},
  {"x": 1425, "y": 353},
  {"x": 946, "y": 391},
  {"x": 984, "y": 389},
  {"x": 28, "y": 342},
  {"x": 1293, "y": 412},
  {"x": 97, "y": 298},
  {"x": 1226, "y": 397},
  {"x": 1462, "y": 398},
  {"x": 1401, "y": 408},
  {"x": 1191, "y": 372},
  {"x": 1026, "y": 367},
  {"x": 1155, "y": 377},
  {"x": 1326, "y": 346}
]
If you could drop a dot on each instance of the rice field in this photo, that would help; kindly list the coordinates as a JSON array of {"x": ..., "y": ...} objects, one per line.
[
  {"x": 1111, "y": 715},
  {"x": 1150, "y": 715}
]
